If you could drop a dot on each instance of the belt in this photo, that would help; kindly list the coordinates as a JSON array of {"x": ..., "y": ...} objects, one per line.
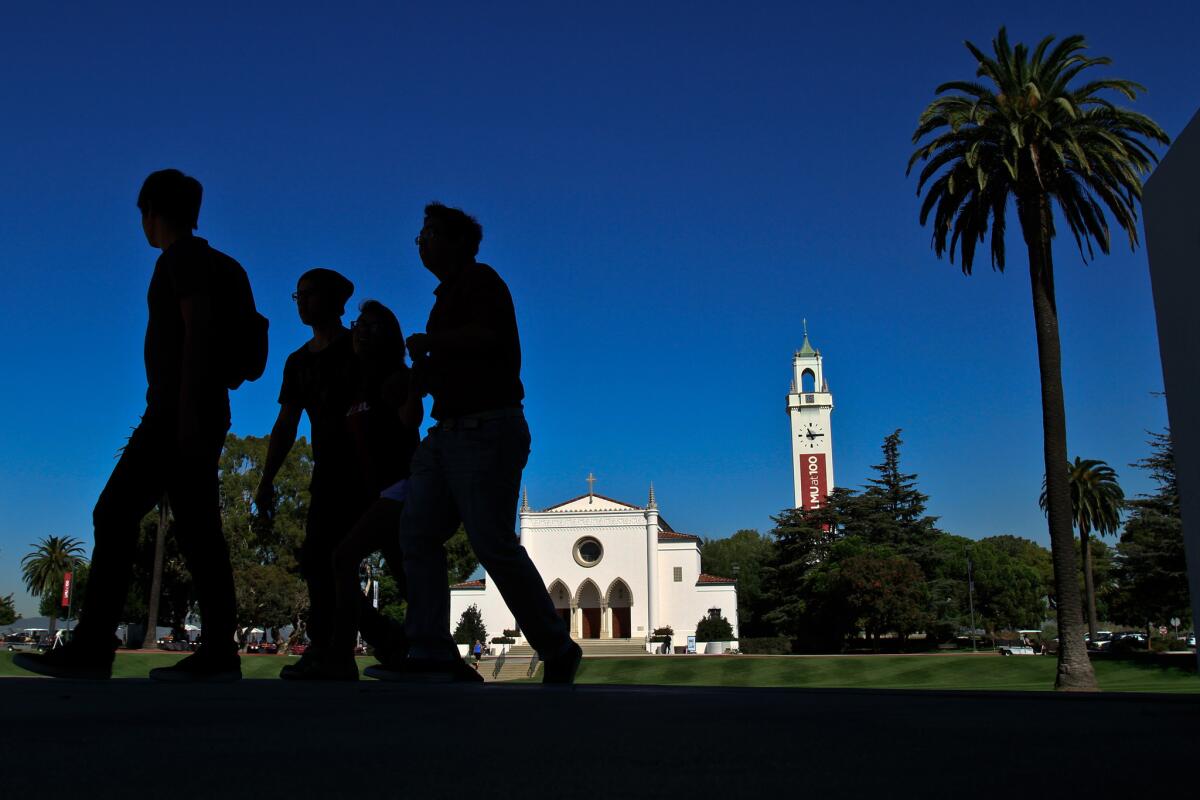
[{"x": 469, "y": 421}]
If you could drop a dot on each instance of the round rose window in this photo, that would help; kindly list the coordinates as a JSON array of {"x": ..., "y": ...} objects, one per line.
[{"x": 588, "y": 552}]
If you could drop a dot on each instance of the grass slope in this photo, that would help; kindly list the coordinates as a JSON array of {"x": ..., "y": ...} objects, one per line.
[{"x": 958, "y": 672}]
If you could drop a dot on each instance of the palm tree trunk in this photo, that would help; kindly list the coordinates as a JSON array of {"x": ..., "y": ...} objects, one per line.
[
  {"x": 1074, "y": 667},
  {"x": 160, "y": 537},
  {"x": 1089, "y": 584}
]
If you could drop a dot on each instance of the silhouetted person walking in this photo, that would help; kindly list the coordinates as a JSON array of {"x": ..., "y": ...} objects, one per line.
[
  {"x": 469, "y": 466},
  {"x": 191, "y": 362},
  {"x": 383, "y": 422},
  {"x": 319, "y": 380}
]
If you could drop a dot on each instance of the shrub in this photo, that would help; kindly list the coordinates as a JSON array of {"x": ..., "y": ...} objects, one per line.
[
  {"x": 512, "y": 631},
  {"x": 766, "y": 646},
  {"x": 713, "y": 629},
  {"x": 504, "y": 640}
]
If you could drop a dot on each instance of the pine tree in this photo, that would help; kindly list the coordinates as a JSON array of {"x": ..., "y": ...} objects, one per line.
[
  {"x": 470, "y": 627},
  {"x": 1151, "y": 567},
  {"x": 893, "y": 510}
]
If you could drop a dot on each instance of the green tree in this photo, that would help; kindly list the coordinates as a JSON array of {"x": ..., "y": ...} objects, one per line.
[
  {"x": 470, "y": 628},
  {"x": 804, "y": 540},
  {"x": 42, "y": 570},
  {"x": 264, "y": 544},
  {"x": 1008, "y": 591},
  {"x": 893, "y": 510},
  {"x": 1039, "y": 137},
  {"x": 1150, "y": 563},
  {"x": 882, "y": 592},
  {"x": 1096, "y": 502},
  {"x": 175, "y": 589},
  {"x": 461, "y": 562},
  {"x": 8, "y": 610},
  {"x": 1032, "y": 555},
  {"x": 743, "y": 556}
]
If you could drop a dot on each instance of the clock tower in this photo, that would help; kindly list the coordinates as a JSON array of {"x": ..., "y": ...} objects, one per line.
[{"x": 809, "y": 407}]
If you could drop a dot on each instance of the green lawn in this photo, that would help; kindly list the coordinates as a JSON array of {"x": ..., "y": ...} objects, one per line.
[
  {"x": 963, "y": 672},
  {"x": 138, "y": 665}
]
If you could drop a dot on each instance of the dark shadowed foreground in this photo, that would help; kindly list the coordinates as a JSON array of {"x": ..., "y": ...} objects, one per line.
[{"x": 275, "y": 738}]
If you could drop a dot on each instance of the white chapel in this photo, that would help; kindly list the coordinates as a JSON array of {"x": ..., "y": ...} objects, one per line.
[{"x": 614, "y": 571}]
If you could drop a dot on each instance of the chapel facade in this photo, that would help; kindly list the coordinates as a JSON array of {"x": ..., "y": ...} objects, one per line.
[{"x": 614, "y": 571}]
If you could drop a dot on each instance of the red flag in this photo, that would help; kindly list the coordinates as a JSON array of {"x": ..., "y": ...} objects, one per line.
[{"x": 66, "y": 597}]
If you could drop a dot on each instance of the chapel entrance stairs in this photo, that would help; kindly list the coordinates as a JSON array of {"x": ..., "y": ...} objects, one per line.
[{"x": 521, "y": 661}]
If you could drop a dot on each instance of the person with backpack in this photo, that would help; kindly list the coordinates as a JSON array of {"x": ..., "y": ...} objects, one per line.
[
  {"x": 197, "y": 296},
  {"x": 320, "y": 379}
]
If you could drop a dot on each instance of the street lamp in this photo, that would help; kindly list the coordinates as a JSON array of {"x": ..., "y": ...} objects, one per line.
[{"x": 971, "y": 596}]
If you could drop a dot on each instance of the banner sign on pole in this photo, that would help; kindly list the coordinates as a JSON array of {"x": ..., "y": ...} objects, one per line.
[{"x": 66, "y": 594}]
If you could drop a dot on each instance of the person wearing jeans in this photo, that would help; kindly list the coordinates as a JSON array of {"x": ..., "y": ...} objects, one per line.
[{"x": 468, "y": 468}]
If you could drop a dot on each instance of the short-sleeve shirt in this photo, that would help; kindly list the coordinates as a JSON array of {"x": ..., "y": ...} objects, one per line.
[
  {"x": 469, "y": 382},
  {"x": 323, "y": 383},
  {"x": 384, "y": 445},
  {"x": 188, "y": 268}
]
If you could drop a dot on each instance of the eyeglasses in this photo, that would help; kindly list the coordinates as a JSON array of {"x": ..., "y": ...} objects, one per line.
[
  {"x": 365, "y": 327},
  {"x": 297, "y": 296}
]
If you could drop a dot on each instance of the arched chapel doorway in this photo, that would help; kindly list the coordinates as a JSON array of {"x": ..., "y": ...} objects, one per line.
[
  {"x": 619, "y": 601},
  {"x": 561, "y": 596},
  {"x": 589, "y": 610}
]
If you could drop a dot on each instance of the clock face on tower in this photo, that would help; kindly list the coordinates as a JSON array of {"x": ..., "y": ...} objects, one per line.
[{"x": 812, "y": 436}]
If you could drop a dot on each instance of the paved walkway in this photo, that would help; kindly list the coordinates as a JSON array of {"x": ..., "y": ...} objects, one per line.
[{"x": 372, "y": 739}]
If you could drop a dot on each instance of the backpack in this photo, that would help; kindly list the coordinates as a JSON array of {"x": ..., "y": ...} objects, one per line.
[{"x": 243, "y": 331}]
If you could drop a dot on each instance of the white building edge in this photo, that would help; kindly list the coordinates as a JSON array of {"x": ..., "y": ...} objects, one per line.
[{"x": 613, "y": 570}]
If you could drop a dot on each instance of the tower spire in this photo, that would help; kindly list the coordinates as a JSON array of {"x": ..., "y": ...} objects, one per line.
[
  {"x": 806, "y": 349},
  {"x": 652, "y": 503},
  {"x": 525, "y": 499}
]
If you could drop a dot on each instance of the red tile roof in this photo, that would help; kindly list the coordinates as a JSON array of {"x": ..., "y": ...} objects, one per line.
[
  {"x": 470, "y": 585},
  {"x": 672, "y": 536},
  {"x": 713, "y": 579}
]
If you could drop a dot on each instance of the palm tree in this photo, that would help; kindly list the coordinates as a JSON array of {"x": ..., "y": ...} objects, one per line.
[
  {"x": 1039, "y": 137},
  {"x": 42, "y": 570},
  {"x": 1096, "y": 502}
]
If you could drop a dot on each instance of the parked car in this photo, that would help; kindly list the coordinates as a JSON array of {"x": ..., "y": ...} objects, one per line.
[
  {"x": 28, "y": 640},
  {"x": 1102, "y": 641},
  {"x": 1191, "y": 639}
]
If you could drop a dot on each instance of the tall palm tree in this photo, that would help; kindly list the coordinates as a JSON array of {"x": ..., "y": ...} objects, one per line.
[
  {"x": 42, "y": 570},
  {"x": 1096, "y": 503},
  {"x": 1036, "y": 135}
]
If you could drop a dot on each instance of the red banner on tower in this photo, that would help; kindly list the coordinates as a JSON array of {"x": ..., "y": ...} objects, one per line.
[
  {"x": 66, "y": 597},
  {"x": 814, "y": 482}
]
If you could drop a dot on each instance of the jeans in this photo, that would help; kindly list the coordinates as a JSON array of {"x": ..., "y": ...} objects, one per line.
[
  {"x": 377, "y": 529},
  {"x": 471, "y": 473},
  {"x": 150, "y": 466}
]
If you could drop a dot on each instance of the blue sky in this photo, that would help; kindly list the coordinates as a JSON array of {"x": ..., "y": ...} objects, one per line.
[{"x": 668, "y": 190}]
